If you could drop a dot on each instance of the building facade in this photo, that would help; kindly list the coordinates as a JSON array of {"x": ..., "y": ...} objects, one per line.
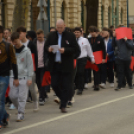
[
  {"x": 74, "y": 12},
  {"x": 131, "y": 14}
]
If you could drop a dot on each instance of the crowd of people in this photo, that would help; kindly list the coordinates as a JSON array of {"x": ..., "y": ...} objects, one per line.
[{"x": 25, "y": 57}]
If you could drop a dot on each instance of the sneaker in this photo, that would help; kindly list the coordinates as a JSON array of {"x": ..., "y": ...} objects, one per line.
[
  {"x": 5, "y": 122},
  {"x": 73, "y": 100},
  {"x": 86, "y": 86},
  {"x": 20, "y": 117},
  {"x": 41, "y": 102},
  {"x": 103, "y": 85},
  {"x": 69, "y": 104},
  {"x": 57, "y": 100},
  {"x": 117, "y": 89},
  {"x": 12, "y": 107},
  {"x": 35, "y": 107},
  {"x": 112, "y": 85},
  {"x": 79, "y": 92}
]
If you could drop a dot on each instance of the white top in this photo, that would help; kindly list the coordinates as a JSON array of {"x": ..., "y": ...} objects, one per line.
[
  {"x": 26, "y": 43},
  {"x": 86, "y": 49},
  {"x": 106, "y": 42}
]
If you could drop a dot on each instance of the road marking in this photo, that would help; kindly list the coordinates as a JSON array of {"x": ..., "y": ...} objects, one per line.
[{"x": 69, "y": 114}]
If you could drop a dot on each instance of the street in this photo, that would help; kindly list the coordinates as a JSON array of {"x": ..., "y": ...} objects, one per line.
[{"x": 104, "y": 112}]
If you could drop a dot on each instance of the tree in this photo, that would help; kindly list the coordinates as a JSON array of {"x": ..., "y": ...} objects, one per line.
[{"x": 20, "y": 14}]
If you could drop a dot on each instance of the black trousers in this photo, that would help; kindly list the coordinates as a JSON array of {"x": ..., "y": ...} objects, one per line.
[
  {"x": 73, "y": 86},
  {"x": 110, "y": 71},
  {"x": 87, "y": 76},
  {"x": 123, "y": 70},
  {"x": 39, "y": 77},
  {"x": 61, "y": 83},
  {"x": 97, "y": 76},
  {"x": 79, "y": 79},
  {"x": 103, "y": 72}
]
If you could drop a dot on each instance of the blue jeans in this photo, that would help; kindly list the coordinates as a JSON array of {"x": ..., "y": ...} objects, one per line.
[{"x": 4, "y": 82}]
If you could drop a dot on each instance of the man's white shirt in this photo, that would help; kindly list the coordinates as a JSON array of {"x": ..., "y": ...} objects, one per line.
[
  {"x": 86, "y": 49},
  {"x": 106, "y": 42}
]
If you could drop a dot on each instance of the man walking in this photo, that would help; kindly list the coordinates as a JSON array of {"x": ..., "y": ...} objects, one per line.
[
  {"x": 7, "y": 58},
  {"x": 86, "y": 50},
  {"x": 61, "y": 63},
  {"x": 124, "y": 48}
]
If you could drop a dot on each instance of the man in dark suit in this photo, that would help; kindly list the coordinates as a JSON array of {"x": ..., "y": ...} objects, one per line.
[
  {"x": 108, "y": 67},
  {"x": 61, "y": 63}
]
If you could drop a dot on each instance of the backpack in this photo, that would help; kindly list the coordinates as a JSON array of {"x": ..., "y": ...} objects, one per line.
[{"x": 8, "y": 56}]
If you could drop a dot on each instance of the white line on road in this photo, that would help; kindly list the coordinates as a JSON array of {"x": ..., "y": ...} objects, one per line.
[{"x": 69, "y": 114}]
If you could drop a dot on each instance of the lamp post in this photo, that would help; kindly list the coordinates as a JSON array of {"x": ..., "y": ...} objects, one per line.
[
  {"x": 127, "y": 14},
  {"x": 48, "y": 12}
]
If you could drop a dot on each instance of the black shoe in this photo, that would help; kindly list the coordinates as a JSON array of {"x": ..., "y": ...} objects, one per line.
[
  {"x": 130, "y": 87},
  {"x": 117, "y": 89},
  {"x": 63, "y": 110},
  {"x": 69, "y": 104},
  {"x": 79, "y": 92},
  {"x": 96, "y": 88},
  {"x": 5, "y": 122}
]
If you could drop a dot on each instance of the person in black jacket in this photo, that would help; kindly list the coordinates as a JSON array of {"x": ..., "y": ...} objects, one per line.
[
  {"x": 61, "y": 63},
  {"x": 28, "y": 43},
  {"x": 97, "y": 43},
  {"x": 123, "y": 51}
]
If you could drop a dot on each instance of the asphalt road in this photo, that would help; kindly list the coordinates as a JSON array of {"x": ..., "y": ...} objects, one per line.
[{"x": 103, "y": 112}]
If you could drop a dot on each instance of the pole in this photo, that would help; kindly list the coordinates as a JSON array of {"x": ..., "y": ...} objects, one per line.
[
  {"x": 127, "y": 14},
  {"x": 55, "y": 14},
  {"x": 48, "y": 13},
  {"x": 112, "y": 12},
  {"x": 117, "y": 15}
]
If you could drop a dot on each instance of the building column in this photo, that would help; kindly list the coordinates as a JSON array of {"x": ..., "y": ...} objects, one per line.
[
  {"x": 72, "y": 15},
  {"x": 79, "y": 12},
  {"x": 125, "y": 12},
  {"x": 52, "y": 11},
  {"x": 99, "y": 14},
  {"x": 9, "y": 13}
]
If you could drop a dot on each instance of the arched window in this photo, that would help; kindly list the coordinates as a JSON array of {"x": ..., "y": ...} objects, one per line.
[
  {"x": 63, "y": 10},
  {"x": 82, "y": 13},
  {"x": 121, "y": 15},
  {"x": 102, "y": 16},
  {"x": 109, "y": 16}
]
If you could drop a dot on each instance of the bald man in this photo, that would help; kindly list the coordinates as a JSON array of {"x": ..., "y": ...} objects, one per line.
[{"x": 61, "y": 63}]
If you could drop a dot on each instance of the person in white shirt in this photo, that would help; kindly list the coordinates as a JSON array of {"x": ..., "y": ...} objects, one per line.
[{"x": 82, "y": 59}]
